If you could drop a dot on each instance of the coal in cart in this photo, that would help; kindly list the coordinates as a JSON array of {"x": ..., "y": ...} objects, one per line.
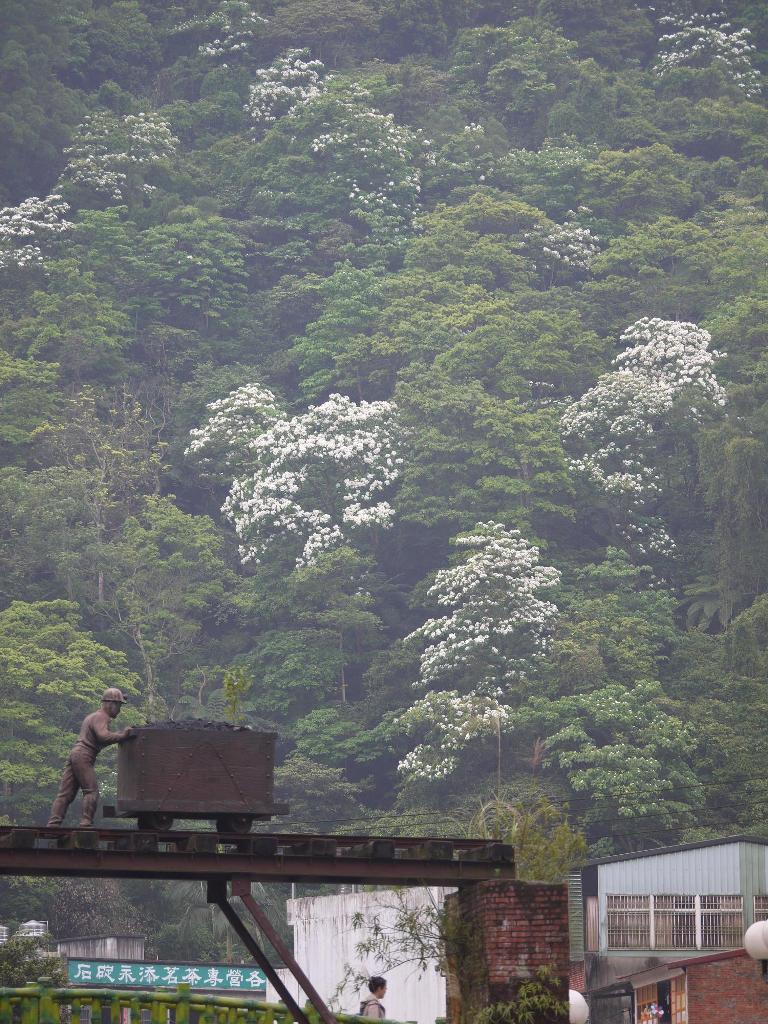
[{"x": 198, "y": 770}]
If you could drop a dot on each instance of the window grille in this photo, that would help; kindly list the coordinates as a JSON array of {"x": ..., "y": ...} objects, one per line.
[
  {"x": 675, "y": 921},
  {"x": 629, "y": 922},
  {"x": 761, "y": 908},
  {"x": 678, "y": 922},
  {"x": 722, "y": 922}
]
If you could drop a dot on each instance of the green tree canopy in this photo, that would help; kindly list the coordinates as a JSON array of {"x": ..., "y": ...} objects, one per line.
[{"x": 53, "y": 673}]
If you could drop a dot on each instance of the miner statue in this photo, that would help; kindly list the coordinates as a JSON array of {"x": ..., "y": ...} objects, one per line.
[{"x": 79, "y": 773}]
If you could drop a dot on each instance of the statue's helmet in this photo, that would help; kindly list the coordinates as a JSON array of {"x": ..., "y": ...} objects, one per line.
[{"x": 112, "y": 693}]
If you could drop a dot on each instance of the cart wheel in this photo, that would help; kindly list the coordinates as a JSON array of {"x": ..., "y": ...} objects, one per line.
[
  {"x": 155, "y": 822},
  {"x": 240, "y": 823}
]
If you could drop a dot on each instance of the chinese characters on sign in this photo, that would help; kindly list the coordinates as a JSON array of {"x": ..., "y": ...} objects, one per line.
[{"x": 134, "y": 974}]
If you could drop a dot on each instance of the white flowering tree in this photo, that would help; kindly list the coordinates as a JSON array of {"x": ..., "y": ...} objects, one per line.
[
  {"x": 313, "y": 482},
  {"x": 289, "y": 82},
  {"x": 375, "y": 161},
  {"x": 233, "y": 28},
  {"x": 617, "y": 426},
  {"x": 25, "y": 229},
  {"x": 222, "y": 445},
  {"x": 497, "y": 626},
  {"x": 110, "y": 154},
  {"x": 565, "y": 249},
  {"x": 333, "y": 155},
  {"x": 708, "y": 40}
]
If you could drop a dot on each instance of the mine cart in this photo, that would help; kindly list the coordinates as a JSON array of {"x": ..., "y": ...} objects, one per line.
[{"x": 196, "y": 770}]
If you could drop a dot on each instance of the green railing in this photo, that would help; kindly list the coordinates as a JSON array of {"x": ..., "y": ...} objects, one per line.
[{"x": 39, "y": 1003}]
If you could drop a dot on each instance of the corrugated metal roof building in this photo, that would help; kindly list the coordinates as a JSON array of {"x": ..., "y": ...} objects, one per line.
[{"x": 639, "y": 911}]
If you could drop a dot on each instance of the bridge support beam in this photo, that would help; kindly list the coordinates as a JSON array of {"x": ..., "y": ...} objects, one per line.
[{"x": 241, "y": 887}]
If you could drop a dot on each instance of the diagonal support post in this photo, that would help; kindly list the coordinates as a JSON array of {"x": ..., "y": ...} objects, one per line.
[
  {"x": 217, "y": 893},
  {"x": 242, "y": 887}
]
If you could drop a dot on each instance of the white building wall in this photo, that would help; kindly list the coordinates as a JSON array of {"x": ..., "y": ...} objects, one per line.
[{"x": 325, "y": 941}]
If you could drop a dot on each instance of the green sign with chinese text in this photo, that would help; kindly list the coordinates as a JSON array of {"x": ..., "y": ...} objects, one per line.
[{"x": 152, "y": 974}]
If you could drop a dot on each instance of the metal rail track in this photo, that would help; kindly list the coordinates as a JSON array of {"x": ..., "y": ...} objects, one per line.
[{"x": 261, "y": 856}]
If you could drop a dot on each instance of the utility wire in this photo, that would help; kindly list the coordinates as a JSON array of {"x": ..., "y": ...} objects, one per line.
[
  {"x": 426, "y": 819},
  {"x": 571, "y": 803}
]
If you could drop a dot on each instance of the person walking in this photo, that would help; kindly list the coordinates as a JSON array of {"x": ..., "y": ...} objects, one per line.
[
  {"x": 372, "y": 1006},
  {"x": 95, "y": 734}
]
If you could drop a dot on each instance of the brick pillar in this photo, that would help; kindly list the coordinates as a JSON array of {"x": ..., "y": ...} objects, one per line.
[{"x": 500, "y": 934}]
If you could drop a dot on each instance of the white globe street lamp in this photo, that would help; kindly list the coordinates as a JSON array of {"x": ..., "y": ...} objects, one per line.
[
  {"x": 756, "y": 944},
  {"x": 578, "y": 1011}
]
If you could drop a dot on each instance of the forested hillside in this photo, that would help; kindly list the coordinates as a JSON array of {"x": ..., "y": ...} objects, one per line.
[{"x": 392, "y": 374}]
